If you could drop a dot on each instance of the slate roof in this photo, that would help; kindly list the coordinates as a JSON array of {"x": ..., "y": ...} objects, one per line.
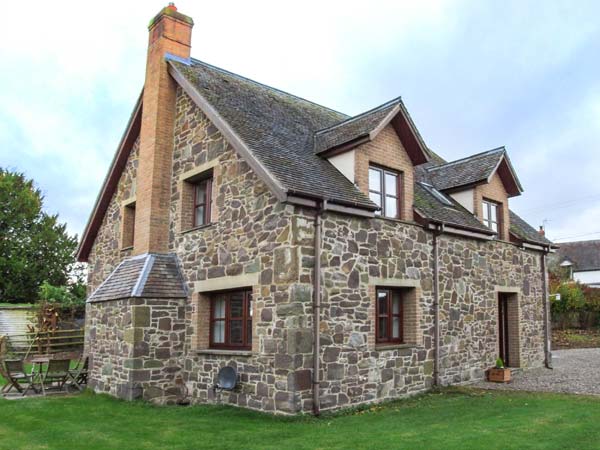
[
  {"x": 354, "y": 127},
  {"x": 462, "y": 172},
  {"x": 285, "y": 135},
  {"x": 145, "y": 276},
  {"x": 526, "y": 232},
  {"x": 278, "y": 128},
  {"x": 585, "y": 255}
]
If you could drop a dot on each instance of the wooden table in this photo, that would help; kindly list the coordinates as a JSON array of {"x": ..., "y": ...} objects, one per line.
[{"x": 37, "y": 370}]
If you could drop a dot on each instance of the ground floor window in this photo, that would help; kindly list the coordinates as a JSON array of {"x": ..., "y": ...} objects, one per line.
[
  {"x": 231, "y": 320},
  {"x": 389, "y": 311}
]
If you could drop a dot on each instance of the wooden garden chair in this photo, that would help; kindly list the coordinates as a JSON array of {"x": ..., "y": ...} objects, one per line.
[
  {"x": 57, "y": 371},
  {"x": 16, "y": 376},
  {"x": 79, "y": 375}
]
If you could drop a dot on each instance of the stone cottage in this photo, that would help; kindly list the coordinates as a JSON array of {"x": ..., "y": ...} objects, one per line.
[{"x": 330, "y": 260}]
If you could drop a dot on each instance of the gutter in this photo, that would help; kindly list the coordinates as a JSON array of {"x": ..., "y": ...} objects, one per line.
[
  {"x": 436, "y": 307},
  {"x": 432, "y": 225},
  {"x": 316, "y": 384}
]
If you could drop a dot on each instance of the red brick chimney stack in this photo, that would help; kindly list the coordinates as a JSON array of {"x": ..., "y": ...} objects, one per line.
[
  {"x": 542, "y": 232},
  {"x": 170, "y": 32}
]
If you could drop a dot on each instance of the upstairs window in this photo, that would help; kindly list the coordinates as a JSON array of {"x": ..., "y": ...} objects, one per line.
[
  {"x": 384, "y": 191},
  {"x": 202, "y": 201},
  {"x": 491, "y": 213},
  {"x": 128, "y": 226},
  {"x": 231, "y": 320},
  {"x": 389, "y": 308}
]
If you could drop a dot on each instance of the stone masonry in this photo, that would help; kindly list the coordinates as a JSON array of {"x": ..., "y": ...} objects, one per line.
[
  {"x": 136, "y": 347},
  {"x": 158, "y": 262},
  {"x": 260, "y": 243}
]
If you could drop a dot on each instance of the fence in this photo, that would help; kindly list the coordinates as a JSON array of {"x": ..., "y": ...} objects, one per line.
[
  {"x": 15, "y": 319},
  {"x": 45, "y": 342}
]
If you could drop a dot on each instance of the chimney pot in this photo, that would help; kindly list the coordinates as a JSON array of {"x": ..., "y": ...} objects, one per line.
[{"x": 172, "y": 6}]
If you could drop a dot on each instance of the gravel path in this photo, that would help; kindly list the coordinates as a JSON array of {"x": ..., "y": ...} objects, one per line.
[{"x": 575, "y": 372}]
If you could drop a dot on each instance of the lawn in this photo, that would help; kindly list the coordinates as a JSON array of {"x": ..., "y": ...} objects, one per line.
[{"x": 453, "y": 419}]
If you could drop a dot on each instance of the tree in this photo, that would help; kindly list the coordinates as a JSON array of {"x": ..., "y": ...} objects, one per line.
[{"x": 34, "y": 246}]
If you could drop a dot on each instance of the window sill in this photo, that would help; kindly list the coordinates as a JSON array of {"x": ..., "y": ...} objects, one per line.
[
  {"x": 201, "y": 227},
  {"x": 222, "y": 352},
  {"x": 380, "y": 347},
  {"x": 124, "y": 249}
]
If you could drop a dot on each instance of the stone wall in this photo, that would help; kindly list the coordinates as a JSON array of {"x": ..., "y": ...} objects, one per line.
[
  {"x": 136, "y": 348},
  {"x": 255, "y": 237},
  {"x": 106, "y": 252},
  {"x": 256, "y": 242},
  {"x": 359, "y": 254}
]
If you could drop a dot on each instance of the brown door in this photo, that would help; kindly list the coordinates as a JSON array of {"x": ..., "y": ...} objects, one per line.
[{"x": 503, "y": 328}]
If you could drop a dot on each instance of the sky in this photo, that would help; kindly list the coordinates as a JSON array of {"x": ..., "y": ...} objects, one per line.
[{"x": 474, "y": 75}]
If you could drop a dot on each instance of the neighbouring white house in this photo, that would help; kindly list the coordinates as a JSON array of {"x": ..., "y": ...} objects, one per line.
[{"x": 583, "y": 260}]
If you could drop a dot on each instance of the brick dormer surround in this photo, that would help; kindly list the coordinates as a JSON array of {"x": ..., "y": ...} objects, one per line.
[
  {"x": 170, "y": 32},
  {"x": 496, "y": 192},
  {"x": 387, "y": 151}
]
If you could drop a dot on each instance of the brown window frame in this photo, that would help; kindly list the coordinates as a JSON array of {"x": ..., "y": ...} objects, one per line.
[
  {"x": 382, "y": 192},
  {"x": 487, "y": 204},
  {"x": 389, "y": 316},
  {"x": 206, "y": 202},
  {"x": 246, "y": 319}
]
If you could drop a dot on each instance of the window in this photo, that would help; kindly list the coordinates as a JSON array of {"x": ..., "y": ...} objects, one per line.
[
  {"x": 389, "y": 312},
  {"x": 490, "y": 211},
  {"x": 384, "y": 191},
  {"x": 128, "y": 226},
  {"x": 202, "y": 202},
  {"x": 231, "y": 320}
]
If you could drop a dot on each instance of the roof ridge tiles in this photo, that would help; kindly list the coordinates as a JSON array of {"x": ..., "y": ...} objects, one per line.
[
  {"x": 281, "y": 91},
  {"x": 361, "y": 115},
  {"x": 466, "y": 158},
  {"x": 586, "y": 241}
]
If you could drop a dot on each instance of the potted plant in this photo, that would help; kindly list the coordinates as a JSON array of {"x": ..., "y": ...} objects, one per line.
[{"x": 499, "y": 374}]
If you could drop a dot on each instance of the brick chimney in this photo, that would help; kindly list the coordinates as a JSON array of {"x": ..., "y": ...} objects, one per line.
[
  {"x": 170, "y": 32},
  {"x": 541, "y": 231}
]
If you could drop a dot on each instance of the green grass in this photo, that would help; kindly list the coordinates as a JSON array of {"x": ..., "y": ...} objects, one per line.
[{"x": 453, "y": 419}]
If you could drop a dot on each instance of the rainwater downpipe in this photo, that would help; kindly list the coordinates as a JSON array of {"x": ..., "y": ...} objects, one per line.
[
  {"x": 317, "y": 314},
  {"x": 436, "y": 306},
  {"x": 547, "y": 323}
]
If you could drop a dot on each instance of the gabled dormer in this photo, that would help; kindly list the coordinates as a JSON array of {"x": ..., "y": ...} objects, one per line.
[
  {"x": 377, "y": 151},
  {"x": 482, "y": 184}
]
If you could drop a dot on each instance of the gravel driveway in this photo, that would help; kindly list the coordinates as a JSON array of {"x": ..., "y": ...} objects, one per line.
[{"x": 575, "y": 371}]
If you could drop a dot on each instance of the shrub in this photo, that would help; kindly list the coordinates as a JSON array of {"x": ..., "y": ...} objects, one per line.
[
  {"x": 60, "y": 295},
  {"x": 579, "y": 305}
]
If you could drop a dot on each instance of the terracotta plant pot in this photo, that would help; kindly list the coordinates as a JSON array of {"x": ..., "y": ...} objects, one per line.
[{"x": 499, "y": 375}]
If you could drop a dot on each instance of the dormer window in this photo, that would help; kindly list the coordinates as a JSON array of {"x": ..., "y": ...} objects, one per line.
[
  {"x": 491, "y": 213},
  {"x": 384, "y": 191}
]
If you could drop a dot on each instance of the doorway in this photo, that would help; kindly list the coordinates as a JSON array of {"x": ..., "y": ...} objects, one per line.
[
  {"x": 503, "y": 335},
  {"x": 508, "y": 329}
]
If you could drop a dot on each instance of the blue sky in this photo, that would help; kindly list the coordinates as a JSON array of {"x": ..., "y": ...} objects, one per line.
[{"x": 474, "y": 76}]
